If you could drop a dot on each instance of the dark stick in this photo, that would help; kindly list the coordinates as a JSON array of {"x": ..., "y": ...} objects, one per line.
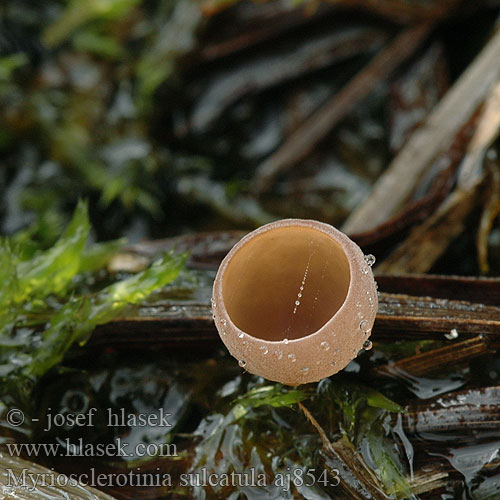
[
  {"x": 300, "y": 144},
  {"x": 435, "y": 359}
]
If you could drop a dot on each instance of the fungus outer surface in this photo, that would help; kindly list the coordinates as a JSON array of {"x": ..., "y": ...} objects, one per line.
[{"x": 294, "y": 301}]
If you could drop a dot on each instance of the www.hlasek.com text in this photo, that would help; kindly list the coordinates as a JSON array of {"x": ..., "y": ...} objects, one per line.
[{"x": 66, "y": 448}]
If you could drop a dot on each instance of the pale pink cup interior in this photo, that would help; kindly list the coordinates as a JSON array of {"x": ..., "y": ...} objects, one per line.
[{"x": 286, "y": 283}]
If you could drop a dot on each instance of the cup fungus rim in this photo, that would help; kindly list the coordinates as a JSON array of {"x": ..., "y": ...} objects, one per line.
[{"x": 348, "y": 247}]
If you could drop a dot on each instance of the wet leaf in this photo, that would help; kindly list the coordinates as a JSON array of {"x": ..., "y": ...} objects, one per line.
[
  {"x": 51, "y": 271},
  {"x": 98, "y": 255},
  {"x": 80, "y": 12},
  {"x": 272, "y": 395},
  {"x": 352, "y": 398},
  {"x": 9, "y": 64},
  {"x": 365, "y": 412},
  {"x": 375, "y": 444},
  {"x": 97, "y": 43},
  {"x": 108, "y": 302}
]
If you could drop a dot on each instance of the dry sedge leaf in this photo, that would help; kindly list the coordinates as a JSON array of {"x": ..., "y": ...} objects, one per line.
[
  {"x": 490, "y": 212},
  {"x": 428, "y": 241},
  {"x": 457, "y": 107}
]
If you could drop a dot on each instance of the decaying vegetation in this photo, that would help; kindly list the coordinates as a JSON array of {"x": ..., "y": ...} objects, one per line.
[{"x": 381, "y": 116}]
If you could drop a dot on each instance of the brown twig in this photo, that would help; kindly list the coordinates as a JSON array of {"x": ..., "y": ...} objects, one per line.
[
  {"x": 473, "y": 409},
  {"x": 490, "y": 213},
  {"x": 435, "y": 359},
  {"x": 437, "y": 304},
  {"x": 426, "y": 317},
  {"x": 396, "y": 184},
  {"x": 276, "y": 20},
  {"x": 355, "y": 477},
  {"x": 468, "y": 288},
  {"x": 259, "y": 72},
  {"x": 399, "y": 317},
  {"x": 400, "y": 10},
  {"x": 316, "y": 127}
]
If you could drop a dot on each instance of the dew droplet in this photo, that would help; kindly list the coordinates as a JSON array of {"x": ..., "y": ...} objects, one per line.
[
  {"x": 214, "y": 305},
  {"x": 264, "y": 349},
  {"x": 336, "y": 351},
  {"x": 364, "y": 270},
  {"x": 223, "y": 331},
  {"x": 325, "y": 345},
  {"x": 241, "y": 335},
  {"x": 297, "y": 302},
  {"x": 302, "y": 287},
  {"x": 305, "y": 369},
  {"x": 278, "y": 354},
  {"x": 333, "y": 363},
  {"x": 286, "y": 341},
  {"x": 242, "y": 363},
  {"x": 299, "y": 295},
  {"x": 364, "y": 326},
  {"x": 292, "y": 357},
  {"x": 367, "y": 345},
  {"x": 223, "y": 322},
  {"x": 370, "y": 259},
  {"x": 453, "y": 334}
]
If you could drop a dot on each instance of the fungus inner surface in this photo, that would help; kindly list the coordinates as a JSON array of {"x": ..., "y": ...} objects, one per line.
[{"x": 286, "y": 282}]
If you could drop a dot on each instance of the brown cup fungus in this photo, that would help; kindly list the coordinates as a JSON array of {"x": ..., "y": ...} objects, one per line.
[{"x": 294, "y": 301}]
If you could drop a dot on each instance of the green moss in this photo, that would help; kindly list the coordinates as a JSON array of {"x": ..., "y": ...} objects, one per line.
[{"x": 42, "y": 313}]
